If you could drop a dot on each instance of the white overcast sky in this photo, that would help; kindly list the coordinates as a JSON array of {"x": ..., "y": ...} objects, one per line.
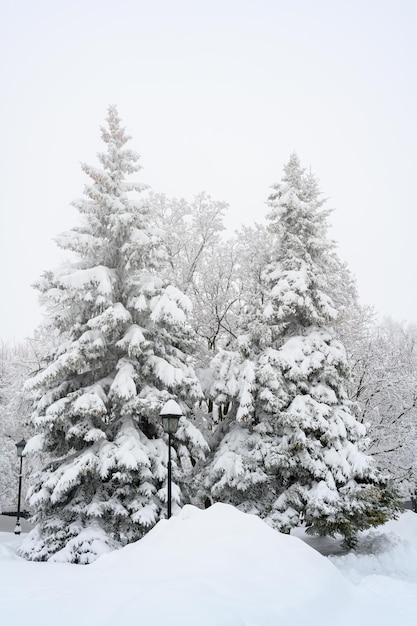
[{"x": 216, "y": 95}]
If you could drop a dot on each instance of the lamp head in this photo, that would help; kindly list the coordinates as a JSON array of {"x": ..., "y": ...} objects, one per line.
[
  {"x": 20, "y": 446},
  {"x": 170, "y": 415}
]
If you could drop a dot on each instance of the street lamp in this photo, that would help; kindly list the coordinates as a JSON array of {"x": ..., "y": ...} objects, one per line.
[
  {"x": 170, "y": 415},
  {"x": 20, "y": 446}
]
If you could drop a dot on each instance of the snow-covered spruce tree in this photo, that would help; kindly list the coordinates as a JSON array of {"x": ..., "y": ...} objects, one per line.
[
  {"x": 293, "y": 445},
  {"x": 125, "y": 341}
]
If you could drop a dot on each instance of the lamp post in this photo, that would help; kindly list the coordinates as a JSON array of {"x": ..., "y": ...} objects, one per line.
[
  {"x": 170, "y": 415},
  {"x": 20, "y": 446}
]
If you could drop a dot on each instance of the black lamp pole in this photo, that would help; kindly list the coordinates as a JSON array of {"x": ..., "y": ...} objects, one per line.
[
  {"x": 169, "y": 477},
  {"x": 20, "y": 446},
  {"x": 170, "y": 415}
]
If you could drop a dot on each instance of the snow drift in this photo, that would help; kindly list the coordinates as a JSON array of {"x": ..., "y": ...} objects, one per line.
[{"x": 219, "y": 567}]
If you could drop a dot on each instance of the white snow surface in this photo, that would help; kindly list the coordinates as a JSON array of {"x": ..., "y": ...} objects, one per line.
[{"x": 220, "y": 567}]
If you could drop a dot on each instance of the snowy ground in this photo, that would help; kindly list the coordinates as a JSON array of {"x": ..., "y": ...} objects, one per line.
[{"x": 220, "y": 567}]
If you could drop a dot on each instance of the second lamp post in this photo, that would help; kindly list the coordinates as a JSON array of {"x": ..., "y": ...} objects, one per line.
[
  {"x": 20, "y": 446},
  {"x": 170, "y": 415}
]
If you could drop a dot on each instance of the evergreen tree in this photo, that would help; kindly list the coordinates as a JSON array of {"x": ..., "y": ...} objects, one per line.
[
  {"x": 293, "y": 445},
  {"x": 122, "y": 355}
]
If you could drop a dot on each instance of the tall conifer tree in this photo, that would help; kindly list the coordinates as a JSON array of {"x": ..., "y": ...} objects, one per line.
[
  {"x": 125, "y": 338},
  {"x": 294, "y": 445}
]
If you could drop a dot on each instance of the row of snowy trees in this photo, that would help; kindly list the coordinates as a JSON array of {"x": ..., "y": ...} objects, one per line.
[
  {"x": 383, "y": 358},
  {"x": 246, "y": 336}
]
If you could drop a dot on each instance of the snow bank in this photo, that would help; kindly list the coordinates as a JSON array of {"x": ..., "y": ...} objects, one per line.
[{"x": 219, "y": 567}]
